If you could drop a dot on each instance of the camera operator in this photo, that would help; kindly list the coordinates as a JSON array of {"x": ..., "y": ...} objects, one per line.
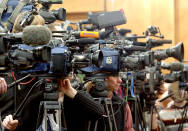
[
  {"x": 122, "y": 112},
  {"x": 11, "y": 100},
  {"x": 79, "y": 107},
  {"x": 3, "y": 85}
]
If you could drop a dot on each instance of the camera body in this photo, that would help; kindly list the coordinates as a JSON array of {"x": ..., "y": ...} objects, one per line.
[{"x": 53, "y": 15}]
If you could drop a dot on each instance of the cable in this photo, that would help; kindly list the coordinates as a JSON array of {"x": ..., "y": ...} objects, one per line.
[
  {"x": 27, "y": 96},
  {"x": 23, "y": 83}
]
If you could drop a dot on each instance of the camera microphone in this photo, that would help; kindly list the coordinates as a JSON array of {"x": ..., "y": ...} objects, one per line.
[
  {"x": 36, "y": 35},
  {"x": 174, "y": 66}
]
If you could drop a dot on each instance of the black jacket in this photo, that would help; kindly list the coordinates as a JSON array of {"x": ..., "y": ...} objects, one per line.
[
  {"x": 11, "y": 100},
  {"x": 80, "y": 110},
  {"x": 119, "y": 105}
]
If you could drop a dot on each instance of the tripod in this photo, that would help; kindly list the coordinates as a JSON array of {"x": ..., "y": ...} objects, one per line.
[
  {"x": 138, "y": 114},
  {"x": 109, "y": 112},
  {"x": 50, "y": 105}
]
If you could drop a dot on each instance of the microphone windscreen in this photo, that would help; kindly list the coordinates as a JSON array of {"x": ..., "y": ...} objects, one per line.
[{"x": 35, "y": 35}]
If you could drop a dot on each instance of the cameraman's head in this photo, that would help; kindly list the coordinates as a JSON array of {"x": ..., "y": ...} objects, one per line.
[
  {"x": 113, "y": 81},
  {"x": 37, "y": 20},
  {"x": 104, "y": 84}
]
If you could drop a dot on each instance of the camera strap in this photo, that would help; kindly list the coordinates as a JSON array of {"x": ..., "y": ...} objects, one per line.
[
  {"x": 15, "y": 13},
  {"x": 3, "y": 7},
  {"x": 132, "y": 83},
  {"x": 12, "y": 18}
]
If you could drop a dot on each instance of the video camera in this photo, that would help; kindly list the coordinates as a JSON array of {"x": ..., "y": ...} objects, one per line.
[
  {"x": 67, "y": 58},
  {"x": 177, "y": 52},
  {"x": 114, "y": 60},
  {"x": 34, "y": 50},
  {"x": 8, "y": 39},
  {"x": 178, "y": 72},
  {"x": 107, "y": 19},
  {"x": 24, "y": 57},
  {"x": 51, "y": 16},
  {"x": 137, "y": 61}
]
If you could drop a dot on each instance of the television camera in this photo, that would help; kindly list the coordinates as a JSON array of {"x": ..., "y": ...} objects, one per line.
[{"x": 51, "y": 15}]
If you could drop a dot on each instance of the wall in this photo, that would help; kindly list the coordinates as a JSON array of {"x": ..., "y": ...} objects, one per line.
[
  {"x": 181, "y": 21},
  {"x": 78, "y": 9}
]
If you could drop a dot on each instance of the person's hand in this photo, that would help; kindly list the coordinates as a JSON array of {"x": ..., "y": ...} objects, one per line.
[
  {"x": 3, "y": 85},
  {"x": 66, "y": 88},
  {"x": 9, "y": 123}
]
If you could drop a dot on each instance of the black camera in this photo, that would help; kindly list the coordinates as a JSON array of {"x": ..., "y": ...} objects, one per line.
[
  {"x": 137, "y": 61},
  {"x": 60, "y": 14},
  {"x": 23, "y": 55},
  {"x": 107, "y": 19},
  {"x": 63, "y": 60},
  {"x": 53, "y": 15}
]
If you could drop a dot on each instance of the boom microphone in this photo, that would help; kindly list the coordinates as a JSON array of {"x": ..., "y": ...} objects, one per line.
[
  {"x": 174, "y": 66},
  {"x": 36, "y": 35}
]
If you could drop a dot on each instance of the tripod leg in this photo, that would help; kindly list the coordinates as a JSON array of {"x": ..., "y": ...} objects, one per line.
[
  {"x": 141, "y": 114},
  {"x": 59, "y": 114},
  {"x": 115, "y": 126},
  {"x": 1, "y": 126},
  {"x": 45, "y": 119},
  {"x": 64, "y": 121},
  {"x": 96, "y": 124},
  {"x": 151, "y": 111},
  {"x": 140, "y": 121},
  {"x": 89, "y": 125},
  {"x": 108, "y": 114},
  {"x": 136, "y": 114},
  {"x": 51, "y": 106}
]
